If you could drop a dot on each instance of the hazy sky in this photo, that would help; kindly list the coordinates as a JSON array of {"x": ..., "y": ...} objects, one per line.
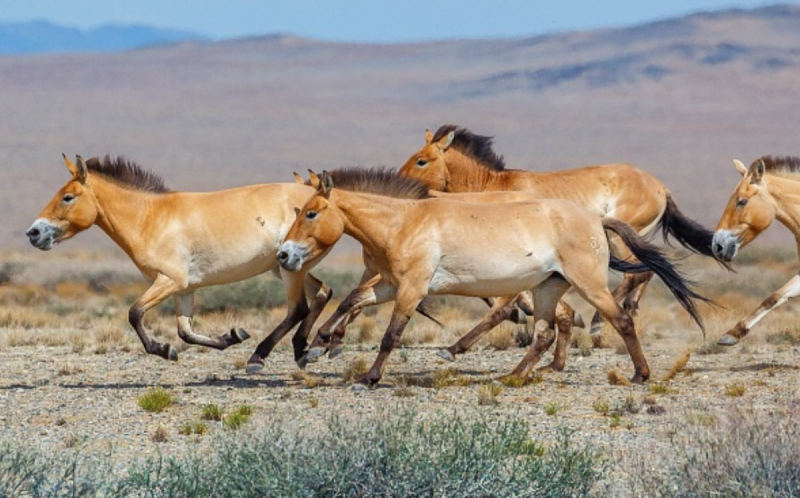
[{"x": 362, "y": 20}]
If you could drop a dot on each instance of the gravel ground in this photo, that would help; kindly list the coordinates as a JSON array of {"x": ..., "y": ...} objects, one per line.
[{"x": 52, "y": 397}]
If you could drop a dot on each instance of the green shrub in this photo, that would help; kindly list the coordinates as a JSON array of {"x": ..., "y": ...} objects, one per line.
[
  {"x": 155, "y": 400},
  {"x": 391, "y": 453}
]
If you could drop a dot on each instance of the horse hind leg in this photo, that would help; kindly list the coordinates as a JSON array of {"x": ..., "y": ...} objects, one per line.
[
  {"x": 184, "y": 309},
  {"x": 565, "y": 319},
  {"x": 502, "y": 308},
  {"x": 546, "y": 297}
]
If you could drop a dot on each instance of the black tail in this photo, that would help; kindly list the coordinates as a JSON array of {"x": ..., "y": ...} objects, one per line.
[
  {"x": 689, "y": 233},
  {"x": 425, "y": 309},
  {"x": 652, "y": 259}
]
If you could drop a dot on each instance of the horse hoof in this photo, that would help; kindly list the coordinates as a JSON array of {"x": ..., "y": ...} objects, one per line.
[
  {"x": 254, "y": 365},
  {"x": 446, "y": 355},
  {"x": 728, "y": 340},
  {"x": 172, "y": 353},
  {"x": 302, "y": 362},
  {"x": 359, "y": 388},
  {"x": 518, "y": 316},
  {"x": 638, "y": 379},
  {"x": 333, "y": 353},
  {"x": 596, "y": 328},
  {"x": 239, "y": 334},
  {"x": 315, "y": 353},
  {"x": 577, "y": 321}
]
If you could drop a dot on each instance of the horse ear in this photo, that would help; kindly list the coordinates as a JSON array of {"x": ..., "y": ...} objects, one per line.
[
  {"x": 756, "y": 172},
  {"x": 83, "y": 171},
  {"x": 297, "y": 212},
  {"x": 298, "y": 178},
  {"x": 445, "y": 142},
  {"x": 740, "y": 167},
  {"x": 428, "y": 137},
  {"x": 313, "y": 179},
  {"x": 326, "y": 183},
  {"x": 78, "y": 169}
]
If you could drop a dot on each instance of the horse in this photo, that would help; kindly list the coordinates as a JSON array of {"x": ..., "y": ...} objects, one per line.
[
  {"x": 425, "y": 246},
  {"x": 182, "y": 241},
  {"x": 769, "y": 190},
  {"x": 456, "y": 160}
]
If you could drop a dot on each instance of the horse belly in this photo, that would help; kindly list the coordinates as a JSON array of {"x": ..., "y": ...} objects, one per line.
[{"x": 484, "y": 282}]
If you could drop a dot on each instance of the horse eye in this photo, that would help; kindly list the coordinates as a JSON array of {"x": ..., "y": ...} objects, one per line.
[
  {"x": 741, "y": 203},
  {"x": 311, "y": 215},
  {"x": 421, "y": 163},
  {"x": 67, "y": 198}
]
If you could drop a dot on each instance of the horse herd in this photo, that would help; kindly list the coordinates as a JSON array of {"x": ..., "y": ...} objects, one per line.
[{"x": 452, "y": 220}]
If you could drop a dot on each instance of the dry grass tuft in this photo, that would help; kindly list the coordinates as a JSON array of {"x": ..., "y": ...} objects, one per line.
[
  {"x": 711, "y": 347},
  {"x": 355, "y": 369},
  {"x": 488, "y": 393},
  {"x": 660, "y": 388},
  {"x": 211, "y": 411},
  {"x": 309, "y": 380},
  {"x": 617, "y": 379},
  {"x": 449, "y": 377},
  {"x": 679, "y": 366},
  {"x": 502, "y": 337},
  {"x": 735, "y": 390},
  {"x": 160, "y": 435},
  {"x": 517, "y": 382}
]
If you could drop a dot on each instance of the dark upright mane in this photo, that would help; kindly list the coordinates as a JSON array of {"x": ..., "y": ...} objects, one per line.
[
  {"x": 127, "y": 173},
  {"x": 476, "y": 146},
  {"x": 789, "y": 165},
  {"x": 380, "y": 181}
]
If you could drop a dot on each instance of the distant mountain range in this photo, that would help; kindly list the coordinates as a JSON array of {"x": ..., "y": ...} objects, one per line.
[
  {"x": 679, "y": 98},
  {"x": 44, "y": 37}
]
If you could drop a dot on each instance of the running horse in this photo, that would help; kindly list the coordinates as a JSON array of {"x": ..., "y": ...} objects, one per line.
[
  {"x": 182, "y": 241},
  {"x": 769, "y": 190},
  {"x": 456, "y": 160},
  {"x": 424, "y": 246}
]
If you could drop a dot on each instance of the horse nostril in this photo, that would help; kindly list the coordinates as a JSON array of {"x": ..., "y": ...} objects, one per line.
[
  {"x": 717, "y": 248},
  {"x": 283, "y": 256},
  {"x": 33, "y": 232}
]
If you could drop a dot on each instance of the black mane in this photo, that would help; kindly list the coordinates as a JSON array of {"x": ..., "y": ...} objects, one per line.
[
  {"x": 380, "y": 181},
  {"x": 127, "y": 173},
  {"x": 786, "y": 164},
  {"x": 475, "y": 146}
]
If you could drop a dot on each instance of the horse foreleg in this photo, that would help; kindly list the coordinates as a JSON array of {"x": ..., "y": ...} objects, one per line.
[
  {"x": 375, "y": 291},
  {"x": 297, "y": 310},
  {"x": 319, "y": 294},
  {"x": 502, "y": 308},
  {"x": 161, "y": 289},
  {"x": 184, "y": 309},
  {"x": 790, "y": 290},
  {"x": 406, "y": 303}
]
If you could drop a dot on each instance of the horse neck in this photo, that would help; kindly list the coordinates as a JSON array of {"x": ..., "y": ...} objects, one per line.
[
  {"x": 373, "y": 223},
  {"x": 122, "y": 213},
  {"x": 466, "y": 174},
  {"x": 785, "y": 194}
]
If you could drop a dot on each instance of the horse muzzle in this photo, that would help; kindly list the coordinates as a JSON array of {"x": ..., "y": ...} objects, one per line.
[
  {"x": 43, "y": 235},
  {"x": 725, "y": 245},
  {"x": 291, "y": 256}
]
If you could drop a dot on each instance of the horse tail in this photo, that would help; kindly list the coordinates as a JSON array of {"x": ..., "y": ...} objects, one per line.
[
  {"x": 652, "y": 259},
  {"x": 688, "y": 232},
  {"x": 426, "y": 309}
]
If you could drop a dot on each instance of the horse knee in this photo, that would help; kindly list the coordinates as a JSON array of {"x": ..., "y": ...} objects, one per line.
[{"x": 135, "y": 316}]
